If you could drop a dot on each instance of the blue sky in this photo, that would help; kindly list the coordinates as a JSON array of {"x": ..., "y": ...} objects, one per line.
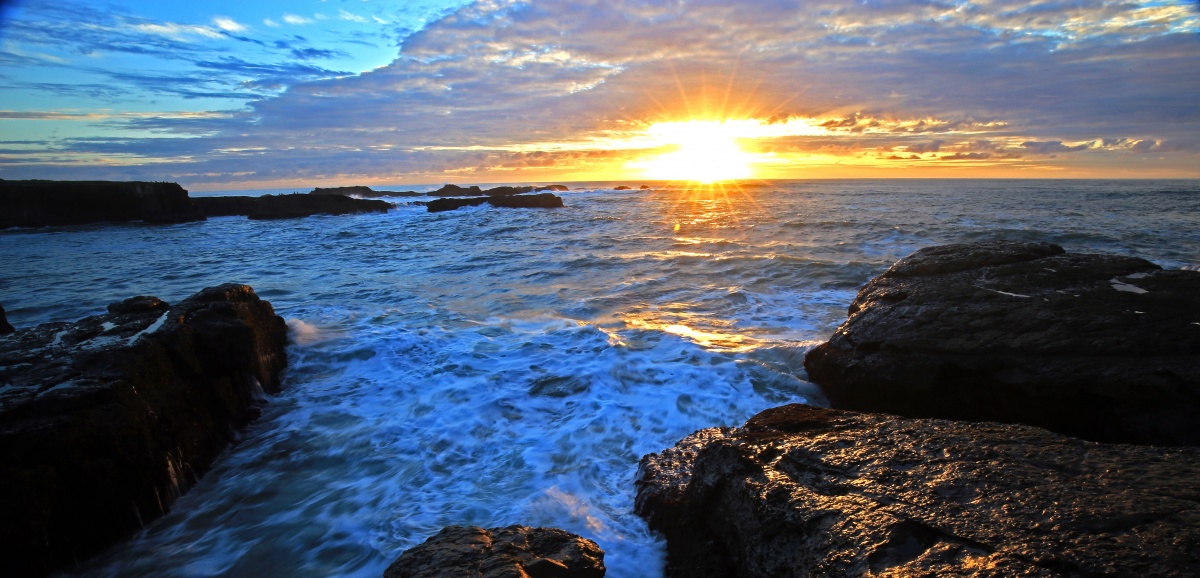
[{"x": 225, "y": 95}]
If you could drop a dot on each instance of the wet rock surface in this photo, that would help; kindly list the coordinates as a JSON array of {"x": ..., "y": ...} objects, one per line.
[
  {"x": 289, "y": 206},
  {"x": 39, "y": 203},
  {"x": 511, "y": 552},
  {"x": 5, "y": 326},
  {"x": 105, "y": 421},
  {"x": 804, "y": 491},
  {"x": 361, "y": 191},
  {"x": 1101, "y": 347},
  {"x": 517, "y": 201}
]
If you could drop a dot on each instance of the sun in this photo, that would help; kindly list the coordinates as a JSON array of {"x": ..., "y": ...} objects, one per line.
[{"x": 706, "y": 152}]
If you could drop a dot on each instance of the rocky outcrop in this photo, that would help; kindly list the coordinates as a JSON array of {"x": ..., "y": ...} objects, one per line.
[
  {"x": 538, "y": 201},
  {"x": 1101, "y": 347},
  {"x": 361, "y": 191},
  {"x": 288, "y": 206},
  {"x": 40, "y": 203},
  {"x": 623, "y": 188},
  {"x": 457, "y": 191},
  {"x": 555, "y": 188},
  {"x": 802, "y": 491},
  {"x": 104, "y": 422},
  {"x": 5, "y": 326},
  {"x": 512, "y": 552}
]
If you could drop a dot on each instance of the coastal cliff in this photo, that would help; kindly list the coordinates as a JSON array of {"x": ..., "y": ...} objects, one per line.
[
  {"x": 38, "y": 203},
  {"x": 106, "y": 421}
]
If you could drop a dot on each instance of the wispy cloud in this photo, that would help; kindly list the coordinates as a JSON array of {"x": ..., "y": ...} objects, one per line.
[
  {"x": 296, "y": 20},
  {"x": 228, "y": 24}
]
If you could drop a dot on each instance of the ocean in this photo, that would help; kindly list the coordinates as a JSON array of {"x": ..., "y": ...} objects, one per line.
[{"x": 498, "y": 366}]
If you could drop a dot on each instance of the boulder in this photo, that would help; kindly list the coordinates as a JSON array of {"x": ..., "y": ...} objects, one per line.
[
  {"x": 289, "y": 206},
  {"x": 538, "y": 201},
  {"x": 40, "y": 203},
  {"x": 512, "y": 552},
  {"x": 5, "y": 326},
  {"x": 1102, "y": 347},
  {"x": 106, "y": 421},
  {"x": 555, "y": 188},
  {"x": 644, "y": 187},
  {"x": 623, "y": 188},
  {"x": 457, "y": 191},
  {"x": 802, "y": 491}
]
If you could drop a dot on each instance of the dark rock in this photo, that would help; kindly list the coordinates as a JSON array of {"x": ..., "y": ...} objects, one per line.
[
  {"x": 555, "y": 188},
  {"x": 801, "y": 491},
  {"x": 457, "y": 191},
  {"x": 506, "y": 191},
  {"x": 5, "y": 326},
  {"x": 1101, "y": 347},
  {"x": 104, "y": 422},
  {"x": 289, "y": 206},
  {"x": 644, "y": 187},
  {"x": 538, "y": 201},
  {"x": 623, "y": 188},
  {"x": 512, "y": 552},
  {"x": 361, "y": 191},
  {"x": 53, "y": 203}
]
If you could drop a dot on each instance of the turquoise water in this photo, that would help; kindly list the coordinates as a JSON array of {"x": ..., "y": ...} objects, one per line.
[{"x": 489, "y": 366}]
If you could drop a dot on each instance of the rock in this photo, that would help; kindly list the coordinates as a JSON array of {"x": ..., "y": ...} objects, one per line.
[
  {"x": 457, "y": 191},
  {"x": 104, "y": 422},
  {"x": 538, "y": 201},
  {"x": 644, "y": 187},
  {"x": 289, "y": 206},
  {"x": 623, "y": 188},
  {"x": 361, "y": 191},
  {"x": 512, "y": 552},
  {"x": 54, "y": 203},
  {"x": 506, "y": 191},
  {"x": 802, "y": 491},
  {"x": 5, "y": 326},
  {"x": 1102, "y": 347},
  {"x": 555, "y": 188}
]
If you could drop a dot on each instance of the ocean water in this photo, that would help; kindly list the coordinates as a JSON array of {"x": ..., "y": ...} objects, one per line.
[{"x": 492, "y": 367}]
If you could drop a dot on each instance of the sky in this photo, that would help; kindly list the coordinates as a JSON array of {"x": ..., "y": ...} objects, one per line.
[{"x": 224, "y": 95}]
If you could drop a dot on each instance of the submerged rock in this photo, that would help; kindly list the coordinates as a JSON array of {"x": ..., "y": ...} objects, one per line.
[
  {"x": 104, "y": 422},
  {"x": 512, "y": 552},
  {"x": 38, "y": 203},
  {"x": 289, "y": 206},
  {"x": 801, "y": 491},
  {"x": 1101, "y": 347},
  {"x": 538, "y": 201}
]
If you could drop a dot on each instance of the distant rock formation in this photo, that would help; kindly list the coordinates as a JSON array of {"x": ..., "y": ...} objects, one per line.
[
  {"x": 457, "y": 191},
  {"x": 623, "y": 188},
  {"x": 288, "y": 206},
  {"x": 40, "y": 203},
  {"x": 5, "y": 326},
  {"x": 361, "y": 191},
  {"x": 106, "y": 421},
  {"x": 801, "y": 491},
  {"x": 512, "y": 552},
  {"x": 555, "y": 188},
  {"x": 1102, "y": 347},
  {"x": 538, "y": 201}
]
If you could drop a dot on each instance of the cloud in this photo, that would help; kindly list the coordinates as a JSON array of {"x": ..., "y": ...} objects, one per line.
[
  {"x": 508, "y": 85},
  {"x": 344, "y": 15},
  {"x": 228, "y": 24},
  {"x": 296, "y": 20}
]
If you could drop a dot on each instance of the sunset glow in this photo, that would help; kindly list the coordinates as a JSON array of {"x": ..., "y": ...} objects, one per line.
[{"x": 707, "y": 152}]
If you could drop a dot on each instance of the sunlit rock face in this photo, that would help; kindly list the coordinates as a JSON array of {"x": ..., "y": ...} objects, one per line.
[
  {"x": 104, "y": 422},
  {"x": 803, "y": 491},
  {"x": 1101, "y": 347},
  {"x": 512, "y": 552}
]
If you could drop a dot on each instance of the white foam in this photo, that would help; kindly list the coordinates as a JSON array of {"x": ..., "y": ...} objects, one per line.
[
  {"x": 151, "y": 329},
  {"x": 108, "y": 326},
  {"x": 302, "y": 332},
  {"x": 1126, "y": 287}
]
